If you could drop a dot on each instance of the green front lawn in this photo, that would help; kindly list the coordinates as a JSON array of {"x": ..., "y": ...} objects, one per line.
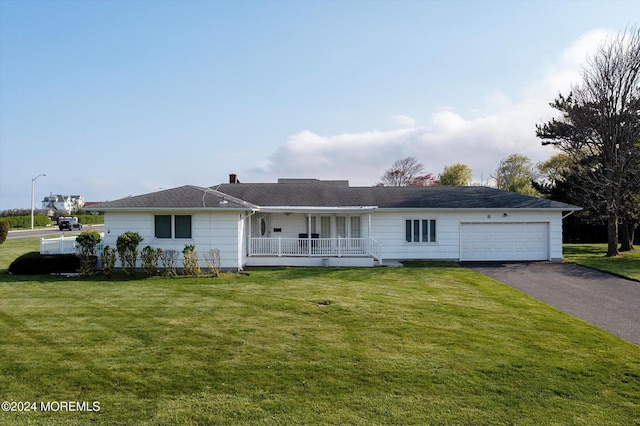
[
  {"x": 438, "y": 344},
  {"x": 12, "y": 249},
  {"x": 593, "y": 256}
]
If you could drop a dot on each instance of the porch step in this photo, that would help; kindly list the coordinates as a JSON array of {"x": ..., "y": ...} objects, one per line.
[
  {"x": 389, "y": 264},
  {"x": 309, "y": 261}
]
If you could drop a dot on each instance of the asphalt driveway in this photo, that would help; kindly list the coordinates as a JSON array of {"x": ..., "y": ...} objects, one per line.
[{"x": 606, "y": 301}]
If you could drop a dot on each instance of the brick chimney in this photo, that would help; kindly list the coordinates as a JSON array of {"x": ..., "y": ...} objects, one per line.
[{"x": 233, "y": 178}]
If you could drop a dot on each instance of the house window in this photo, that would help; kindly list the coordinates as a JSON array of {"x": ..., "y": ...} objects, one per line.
[
  {"x": 325, "y": 226},
  {"x": 355, "y": 227},
  {"x": 420, "y": 230},
  {"x": 341, "y": 226},
  {"x": 181, "y": 226},
  {"x": 163, "y": 226}
]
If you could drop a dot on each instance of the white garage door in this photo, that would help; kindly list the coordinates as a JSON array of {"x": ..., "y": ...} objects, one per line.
[{"x": 504, "y": 241}]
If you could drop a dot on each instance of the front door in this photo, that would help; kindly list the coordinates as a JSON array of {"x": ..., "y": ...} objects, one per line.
[{"x": 260, "y": 226}]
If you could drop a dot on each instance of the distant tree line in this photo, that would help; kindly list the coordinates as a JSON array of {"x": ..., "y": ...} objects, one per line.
[
  {"x": 410, "y": 172},
  {"x": 22, "y": 212}
]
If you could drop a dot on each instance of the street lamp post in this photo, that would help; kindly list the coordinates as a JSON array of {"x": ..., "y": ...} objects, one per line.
[{"x": 32, "y": 195}]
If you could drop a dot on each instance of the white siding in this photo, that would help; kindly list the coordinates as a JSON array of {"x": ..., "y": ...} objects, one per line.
[
  {"x": 388, "y": 227},
  {"x": 210, "y": 230},
  {"x": 290, "y": 225},
  {"x": 226, "y": 231}
]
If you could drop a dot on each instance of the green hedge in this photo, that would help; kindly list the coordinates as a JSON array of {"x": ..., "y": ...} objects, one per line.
[
  {"x": 89, "y": 219},
  {"x": 25, "y": 221}
]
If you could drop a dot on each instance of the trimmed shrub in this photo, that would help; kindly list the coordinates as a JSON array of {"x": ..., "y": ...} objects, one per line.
[
  {"x": 86, "y": 243},
  {"x": 34, "y": 263},
  {"x": 108, "y": 259},
  {"x": 127, "y": 247},
  {"x": 150, "y": 258},
  {"x": 169, "y": 260},
  {"x": 213, "y": 262},
  {"x": 4, "y": 230},
  {"x": 191, "y": 264}
]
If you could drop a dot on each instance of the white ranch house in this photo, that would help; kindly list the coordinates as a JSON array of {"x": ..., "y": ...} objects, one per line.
[{"x": 310, "y": 222}]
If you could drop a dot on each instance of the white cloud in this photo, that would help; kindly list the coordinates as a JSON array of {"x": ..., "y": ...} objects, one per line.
[
  {"x": 565, "y": 72},
  {"x": 505, "y": 126},
  {"x": 404, "y": 120},
  {"x": 354, "y": 156}
]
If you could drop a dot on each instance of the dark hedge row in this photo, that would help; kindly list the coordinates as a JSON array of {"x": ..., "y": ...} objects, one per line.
[
  {"x": 25, "y": 221},
  {"x": 89, "y": 219},
  {"x": 34, "y": 263}
]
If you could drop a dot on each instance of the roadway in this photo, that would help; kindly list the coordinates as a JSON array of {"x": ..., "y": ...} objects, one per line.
[{"x": 51, "y": 232}]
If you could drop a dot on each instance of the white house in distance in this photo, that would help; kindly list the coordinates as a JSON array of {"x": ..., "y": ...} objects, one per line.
[
  {"x": 311, "y": 222},
  {"x": 62, "y": 203}
]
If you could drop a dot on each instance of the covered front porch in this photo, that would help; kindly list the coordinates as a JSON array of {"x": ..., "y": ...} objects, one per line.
[{"x": 323, "y": 237}]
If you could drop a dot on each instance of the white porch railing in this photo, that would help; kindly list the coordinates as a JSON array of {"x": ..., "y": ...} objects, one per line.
[
  {"x": 375, "y": 250},
  {"x": 314, "y": 247},
  {"x": 62, "y": 245}
]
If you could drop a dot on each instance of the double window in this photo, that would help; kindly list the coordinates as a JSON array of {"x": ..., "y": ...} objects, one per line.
[
  {"x": 420, "y": 230},
  {"x": 172, "y": 226}
]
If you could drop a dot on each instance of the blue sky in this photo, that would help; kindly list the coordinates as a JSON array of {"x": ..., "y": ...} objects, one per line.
[{"x": 118, "y": 98}]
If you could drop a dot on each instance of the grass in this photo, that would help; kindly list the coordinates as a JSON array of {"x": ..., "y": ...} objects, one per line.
[
  {"x": 593, "y": 256},
  {"x": 433, "y": 343},
  {"x": 11, "y": 249}
]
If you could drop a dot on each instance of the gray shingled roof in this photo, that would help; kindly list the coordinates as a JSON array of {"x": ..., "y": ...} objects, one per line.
[
  {"x": 317, "y": 194},
  {"x": 183, "y": 197},
  {"x": 314, "y": 193}
]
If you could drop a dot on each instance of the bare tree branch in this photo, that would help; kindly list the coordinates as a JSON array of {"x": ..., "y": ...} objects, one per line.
[{"x": 406, "y": 172}]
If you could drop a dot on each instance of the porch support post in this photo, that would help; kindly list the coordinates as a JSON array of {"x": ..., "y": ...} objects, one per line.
[
  {"x": 249, "y": 248},
  {"x": 248, "y": 235},
  {"x": 309, "y": 234},
  {"x": 369, "y": 249}
]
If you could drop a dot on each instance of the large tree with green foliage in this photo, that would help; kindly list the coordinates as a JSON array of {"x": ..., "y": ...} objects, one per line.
[
  {"x": 456, "y": 175},
  {"x": 599, "y": 128},
  {"x": 516, "y": 174}
]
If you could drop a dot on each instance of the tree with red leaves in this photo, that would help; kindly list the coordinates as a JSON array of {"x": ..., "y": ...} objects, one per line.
[{"x": 407, "y": 172}]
